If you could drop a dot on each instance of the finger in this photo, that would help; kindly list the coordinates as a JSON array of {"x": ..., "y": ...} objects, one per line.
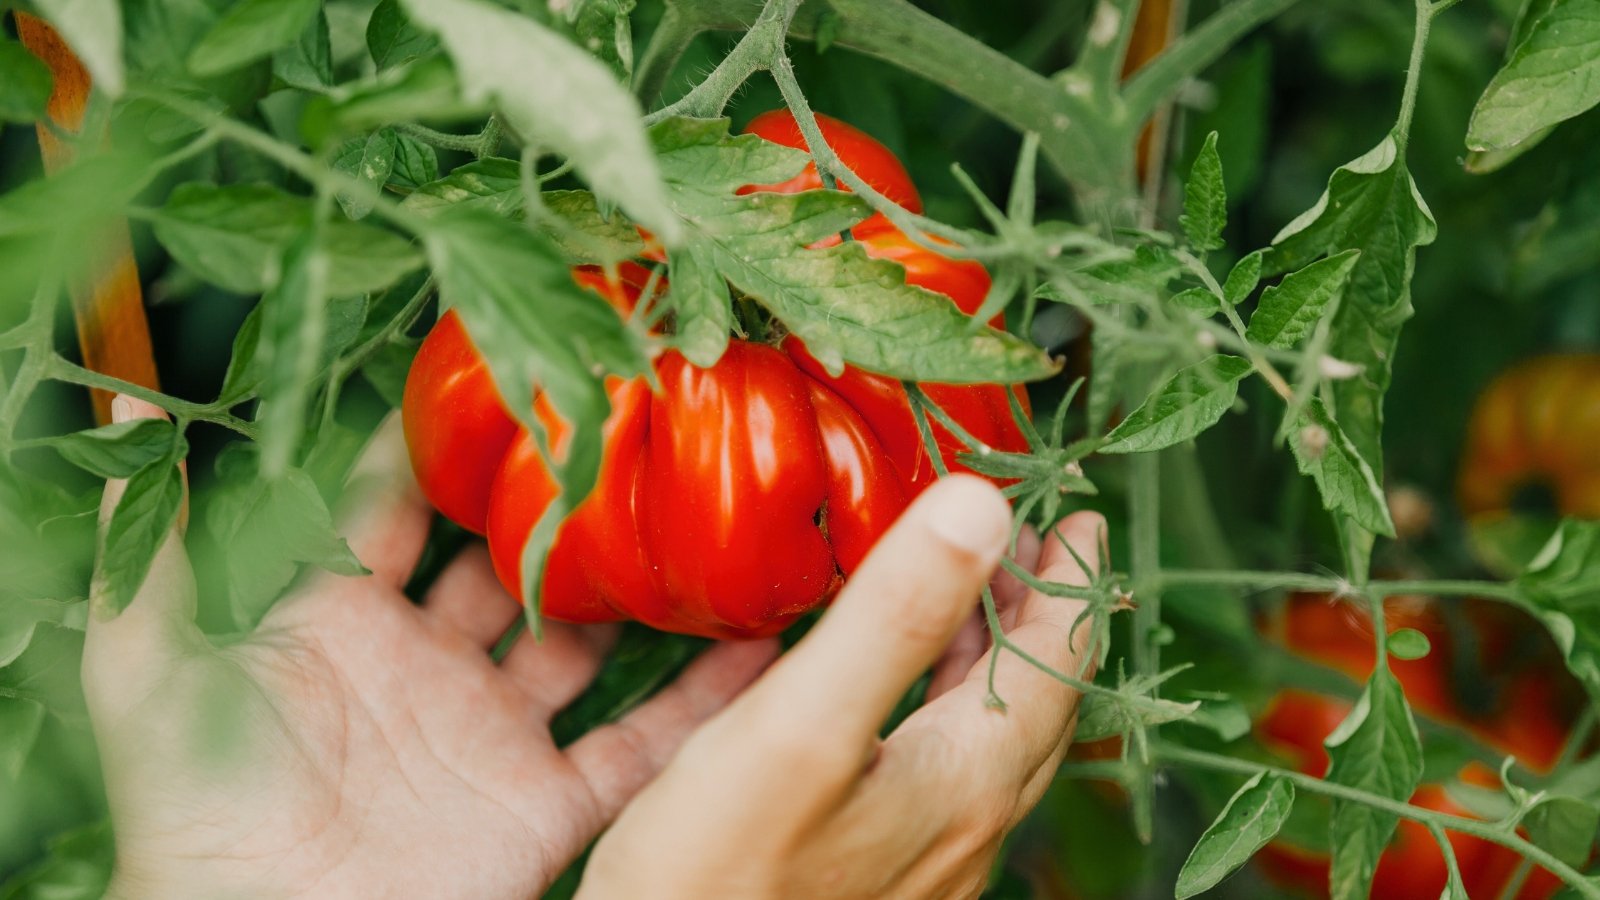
[
  {"x": 617, "y": 761},
  {"x": 158, "y": 622},
  {"x": 553, "y": 671},
  {"x": 1040, "y": 707},
  {"x": 383, "y": 515},
  {"x": 468, "y": 599},
  {"x": 973, "y": 638},
  {"x": 892, "y": 620}
]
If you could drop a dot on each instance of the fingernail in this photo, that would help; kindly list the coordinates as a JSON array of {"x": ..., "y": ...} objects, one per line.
[
  {"x": 969, "y": 513},
  {"x": 121, "y": 409}
]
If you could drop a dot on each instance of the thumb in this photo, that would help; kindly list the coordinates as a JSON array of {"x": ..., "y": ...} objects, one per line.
[{"x": 122, "y": 650}]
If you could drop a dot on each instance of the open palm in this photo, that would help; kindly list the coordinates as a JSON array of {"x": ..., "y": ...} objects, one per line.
[{"x": 357, "y": 745}]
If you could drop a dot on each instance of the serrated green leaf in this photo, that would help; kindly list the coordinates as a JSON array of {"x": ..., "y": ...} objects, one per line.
[
  {"x": 24, "y": 84},
  {"x": 235, "y": 237},
  {"x": 1290, "y": 309},
  {"x": 1243, "y": 278},
  {"x": 1347, "y": 484},
  {"x": 139, "y": 524},
  {"x": 704, "y": 307},
  {"x": 1375, "y": 749},
  {"x": 117, "y": 450},
  {"x": 846, "y": 306},
  {"x": 1251, "y": 819},
  {"x": 249, "y": 31},
  {"x": 555, "y": 96},
  {"x": 1562, "y": 586},
  {"x": 267, "y": 529},
  {"x": 308, "y": 62},
  {"x": 587, "y": 234},
  {"x": 1205, "y": 199},
  {"x": 392, "y": 39},
  {"x": 369, "y": 160},
  {"x": 1192, "y": 400},
  {"x": 1552, "y": 75},
  {"x": 93, "y": 29},
  {"x": 1197, "y": 300},
  {"x": 1371, "y": 205}
]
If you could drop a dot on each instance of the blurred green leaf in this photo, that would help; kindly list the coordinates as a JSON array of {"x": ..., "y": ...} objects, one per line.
[
  {"x": 294, "y": 331},
  {"x": 1251, "y": 819},
  {"x": 1562, "y": 584},
  {"x": 602, "y": 28},
  {"x": 1205, "y": 200},
  {"x": 1192, "y": 400},
  {"x": 20, "y": 617},
  {"x": 1290, "y": 309},
  {"x": 308, "y": 62},
  {"x": 1553, "y": 75},
  {"x": 77, "y": 866},
  {"x": 267, "y": 529},
  {"x": 24, "y": 84},
  {"x": 556, "y": 96},
  {"x": 235, "y": 237},
  {"x": 1375, "y": 749},
  {"x": 492, "y": 185},
  {"x": 20, "y": 721},
  {"x": 118, "y": 450},
  {"x": 249, "y": 31}
]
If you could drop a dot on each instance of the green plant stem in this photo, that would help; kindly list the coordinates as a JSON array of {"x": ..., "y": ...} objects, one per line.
[
  {"x": 1245, "y": 579},
  {"x": 1269, "y": 372},
  {"x": 1192, "y": 53},
  {"x": 1144, "y": 541},
  {"x": 673, "y": 35},
  {"x": 59, "y": 369},
  {"x": 760, "y": 48},
  {"x": 1408, "y": 99},
  {"x": 1489, "y": 831}
]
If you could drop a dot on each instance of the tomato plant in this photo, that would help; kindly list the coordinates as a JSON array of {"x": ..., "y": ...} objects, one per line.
[{"x": 678, "y": 325}]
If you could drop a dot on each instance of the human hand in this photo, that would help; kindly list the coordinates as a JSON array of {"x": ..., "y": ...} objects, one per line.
[
  {"x": 355, "y": 744},
  {"x": 790, "y": 793}
]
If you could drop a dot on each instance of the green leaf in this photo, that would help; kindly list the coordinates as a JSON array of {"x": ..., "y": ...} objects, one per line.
[
  {"x": 425, "y": 89},
  {"x": 21, "y": 617},
  {"x": 1553, "y": 75},
  {"x": 1565, "y": 826},
  {"x": 1197, "y": 300},
  {"x": 585, "y": 232},
  {"x": 1105, "y": 714},
  {"x": 117, "y": 450},
  {"x": 308, "y": 62},
  {"x": 1292, "y": 307},
  {"x": 1192, "y": 400},
  {"x": 416, "y": 163},
  {"x": 847, "y": 307},
  {"x": 268, "y": 528},
  {"x": 1408, "y": 643},
  {"x": 1370, "y": 205},
  {"x": 387, "y": 368},
  {"x": 1251, "y": 819},
  {"x": 77, "y": 866},
  {"x": 1375, "y": 749},
  {"x": 492, "y": 185},
  {"x": 601, "y": 27},
  {"x": 235, "y": 237},
  {"x": 1243, "y": 278},
  {"x": 370, "y": 160},
  {"x": 20, "y": 721},
  {"x": 141, "y": 522},
  {"x": 93, "y": 29},
  {"x": 555, "y": 96},
  {"x": 1205, "y": 200},
  {"x": 24, "y": 84},
  {"x": 1562, "y": 587},
  {"x": 76, "y": 198},
  {"x": 1347, "y": 484},
  {"x": 293, "y": 332},
  {"x": 392, "y": 39},
  {"x": 249, "y": 31},
  {"x": 700, "y": 295}
]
